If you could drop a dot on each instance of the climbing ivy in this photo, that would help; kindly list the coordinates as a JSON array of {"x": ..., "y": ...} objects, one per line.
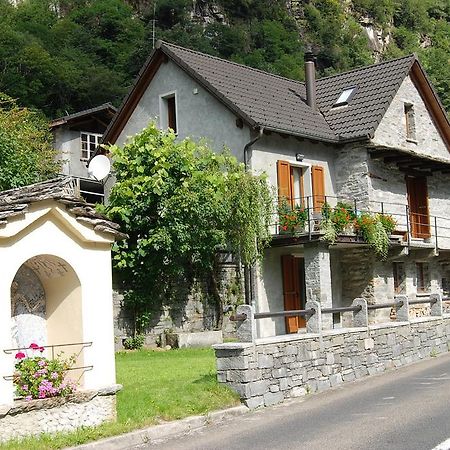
[{"x": 181, "y": 203}]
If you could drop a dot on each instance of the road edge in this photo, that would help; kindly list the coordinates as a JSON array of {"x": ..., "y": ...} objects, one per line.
[{"x": 163, "y": 431}]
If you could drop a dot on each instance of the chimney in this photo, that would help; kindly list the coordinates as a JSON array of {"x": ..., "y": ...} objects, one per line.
[{"x": 310, "y": 78}]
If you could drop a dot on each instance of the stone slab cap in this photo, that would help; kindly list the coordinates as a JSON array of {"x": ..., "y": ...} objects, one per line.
[{"x": 63, "y": 190}]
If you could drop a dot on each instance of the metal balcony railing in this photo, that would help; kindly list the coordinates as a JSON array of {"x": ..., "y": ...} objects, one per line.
[{"x": 411, "y": 226}]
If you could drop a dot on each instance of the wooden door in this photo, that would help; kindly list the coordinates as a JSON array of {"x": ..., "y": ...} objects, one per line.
[
  {"x": 418, "y": 206},
  {"x": 293, "y": 270}
]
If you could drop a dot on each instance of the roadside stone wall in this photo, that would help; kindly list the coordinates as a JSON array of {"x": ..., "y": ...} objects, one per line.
[
  {"x": 82, "y": 409},
  {"x": 271, "y": 370}
]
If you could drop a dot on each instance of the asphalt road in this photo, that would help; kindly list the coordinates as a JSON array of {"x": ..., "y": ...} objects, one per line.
[{"x": 404, "y": 409}]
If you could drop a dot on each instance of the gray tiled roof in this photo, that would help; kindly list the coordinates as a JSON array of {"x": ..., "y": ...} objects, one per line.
[
  {"x": 278, "y": 103},
  {"x": 375, "y": 85},
  {"x": 264, "y": 99}
]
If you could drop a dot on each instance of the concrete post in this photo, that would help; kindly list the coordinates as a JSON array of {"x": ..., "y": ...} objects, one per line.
[
  {"x": 246, "y": 329},
  {"x": 402, "y": 311},
  {"x": 360, "y": 318},
  {"x": 318, "y": 277},
  {"x": 436, "y": 307},
  {"x": 313, "y": 321}
]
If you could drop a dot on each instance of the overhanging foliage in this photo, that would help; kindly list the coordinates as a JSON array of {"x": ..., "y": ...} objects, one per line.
[{"x": 181, "y": 203}]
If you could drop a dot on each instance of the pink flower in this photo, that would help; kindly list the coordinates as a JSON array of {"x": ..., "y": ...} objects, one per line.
[
  {"x": 41, "y": 349},
  {"x": 42, "y": 363},
  {"x": 34, "y": 346},
  {"x": 54, "y": 375},
  {"x": 25, "y": 387},
  {"x": 28, "y": 398},
  {"x": 20, "y": 355}
]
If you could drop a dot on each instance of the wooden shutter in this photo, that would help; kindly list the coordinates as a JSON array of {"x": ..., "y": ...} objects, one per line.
[
  {"x": 291, "y": 291},
  {"x": 318, "y": 187},
  {"x": 171, "y": 114},
  {"x": 284, "y": 181}
]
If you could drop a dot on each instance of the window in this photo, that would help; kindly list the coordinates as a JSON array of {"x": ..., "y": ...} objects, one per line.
[
  {"x": 422, "y": 277},
  {"x": 410, "y": 122},
  {"x": 292, "y": 183},
  {"x": 345, "y": 97},
  {"x": 398, "y": 269},
  {"x": 168, "y": 112},
  {"x": 89, "y": 144}
]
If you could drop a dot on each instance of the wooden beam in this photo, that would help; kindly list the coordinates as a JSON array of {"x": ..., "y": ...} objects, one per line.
[
  {"x": 398, "y": 158},
  {"x": 380, "y": 154}
]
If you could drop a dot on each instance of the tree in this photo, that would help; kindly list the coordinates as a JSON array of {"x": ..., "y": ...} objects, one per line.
[
  {"x": 181, "y": 203},
  {"x": 26, "y": 153}
]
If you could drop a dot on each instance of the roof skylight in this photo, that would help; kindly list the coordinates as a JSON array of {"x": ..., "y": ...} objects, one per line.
[{"x": 345, "y": 97}]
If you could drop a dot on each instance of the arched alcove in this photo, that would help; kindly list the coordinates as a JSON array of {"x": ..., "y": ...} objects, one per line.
[{"x": 46, "y": 306}]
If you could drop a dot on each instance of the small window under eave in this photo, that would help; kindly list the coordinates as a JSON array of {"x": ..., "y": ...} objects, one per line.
[{"x": 345, "y": 97}]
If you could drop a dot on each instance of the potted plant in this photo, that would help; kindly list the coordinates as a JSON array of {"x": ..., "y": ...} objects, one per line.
[
  {"x": 343, "y": 218},
  {"x": 292, "y": 220}
]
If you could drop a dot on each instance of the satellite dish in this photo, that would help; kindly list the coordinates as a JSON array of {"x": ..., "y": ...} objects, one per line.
[{"x": 99, "y": 167}]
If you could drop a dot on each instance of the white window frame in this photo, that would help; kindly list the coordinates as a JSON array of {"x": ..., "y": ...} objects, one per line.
[
  {"x": 307, "y": 182},
  {"x": 90, "y": 153},
  {"x": 164, "y": 110}
]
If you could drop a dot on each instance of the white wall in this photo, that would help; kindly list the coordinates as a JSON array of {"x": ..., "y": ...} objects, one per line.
[{"x": 199, "y": 114}]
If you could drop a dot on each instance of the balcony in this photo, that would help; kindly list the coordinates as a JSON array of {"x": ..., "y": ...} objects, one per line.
[{"x": 344, "y": 221}]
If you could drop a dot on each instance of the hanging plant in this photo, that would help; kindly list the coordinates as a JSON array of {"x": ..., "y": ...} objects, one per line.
[{"x": 375, "y": 230}]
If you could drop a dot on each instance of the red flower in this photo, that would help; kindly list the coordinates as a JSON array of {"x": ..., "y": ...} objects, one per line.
[
  {"x": 284, "y": 227},
  {"x": 20, "y": 355},
  {"x": 34, "y": 346}
]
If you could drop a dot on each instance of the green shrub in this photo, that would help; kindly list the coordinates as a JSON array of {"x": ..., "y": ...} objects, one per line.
[{"x": 134, "y": 343}]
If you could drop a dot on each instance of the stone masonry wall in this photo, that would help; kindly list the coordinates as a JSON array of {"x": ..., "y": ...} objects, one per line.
[
  {"x": 189, "y": 311},
  {"x": 274, "y": 369},
  {"x": 83, "y": 409}
]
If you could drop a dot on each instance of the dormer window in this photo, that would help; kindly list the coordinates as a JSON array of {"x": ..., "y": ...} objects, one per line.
[
  {"x": 168, "y": 112},
  {"x": 345, "y": 97},
  {"x": 410, "y": 122},
  {"x": 89, "y": 144}
]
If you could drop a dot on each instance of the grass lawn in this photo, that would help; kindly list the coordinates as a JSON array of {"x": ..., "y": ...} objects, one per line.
[{"x": 156, "y": 386}]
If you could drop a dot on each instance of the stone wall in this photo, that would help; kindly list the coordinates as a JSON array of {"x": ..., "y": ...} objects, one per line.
[
  {"x": 189, "y": 311},
  {"x": 82, "y": 409},
  {"x": 270, "y": 370}
]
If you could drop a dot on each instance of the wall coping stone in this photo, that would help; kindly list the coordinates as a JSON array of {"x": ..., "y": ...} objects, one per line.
[
  {"x": 424, "y": 319},
  {"x": 232, "y": 346},
  {"x": 381, "y": 326},
  {"x": 81, "y": 396}
]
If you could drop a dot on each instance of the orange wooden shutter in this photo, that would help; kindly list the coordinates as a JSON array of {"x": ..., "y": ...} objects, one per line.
[
  {"x": 318, "y": 187},
  {"x": 284, "y": 181},
  {"x": 291, "y": 290}
]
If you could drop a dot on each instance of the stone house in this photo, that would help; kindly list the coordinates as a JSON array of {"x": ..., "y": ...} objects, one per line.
[
  {"x": 76, "y": 137},
  {"x": 376, "y": 138}
]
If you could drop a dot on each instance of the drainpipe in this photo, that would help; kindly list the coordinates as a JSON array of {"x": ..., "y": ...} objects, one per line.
[
  {"x": 249, "y": 144},
  {"x": 249, "y": 281}
]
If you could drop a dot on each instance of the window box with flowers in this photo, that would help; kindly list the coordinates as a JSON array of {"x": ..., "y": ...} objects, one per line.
[
  {"x": 37, "y": 377},
  {"x": 292, "y": 220}
]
